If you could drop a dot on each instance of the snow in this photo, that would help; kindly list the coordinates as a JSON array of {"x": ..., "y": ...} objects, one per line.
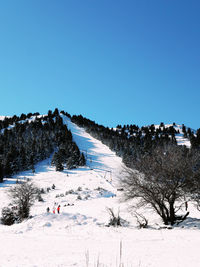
[
  {"x": 79, "y": 235},
  {"x": 2, "y": 117}
]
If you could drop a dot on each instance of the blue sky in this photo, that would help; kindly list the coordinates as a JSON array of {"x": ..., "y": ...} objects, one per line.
[{"x": 113, "y": 61}]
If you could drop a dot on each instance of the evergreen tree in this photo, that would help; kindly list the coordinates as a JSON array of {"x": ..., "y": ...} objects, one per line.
[
  {"x": 57, "y": 161},
  {"x": 1, "y": 173},
  {"x": 82, "y": 160},
  {"x": 7, "y": 216}
]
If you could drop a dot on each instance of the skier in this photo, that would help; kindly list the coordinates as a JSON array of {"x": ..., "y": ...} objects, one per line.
[
  {"x": 48, "y": 209},
  {"x": 54, "y": 209},
  {"x": 58, "y": 209}
]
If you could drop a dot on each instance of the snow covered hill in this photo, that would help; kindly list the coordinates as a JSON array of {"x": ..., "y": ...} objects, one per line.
[{"x": 79, "y": 235}]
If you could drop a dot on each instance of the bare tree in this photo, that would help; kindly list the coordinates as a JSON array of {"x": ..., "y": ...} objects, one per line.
[
  {"x": 115, "y": 220},
  {"x": 162, "y": 179},
  {"x": 141, "y": 220},
  {"x": 23, "y": 196},
  {"x": 194, "y": 188}
]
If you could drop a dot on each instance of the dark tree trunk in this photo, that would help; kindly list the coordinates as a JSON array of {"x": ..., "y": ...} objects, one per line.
[{"x": 172, "y": 213}]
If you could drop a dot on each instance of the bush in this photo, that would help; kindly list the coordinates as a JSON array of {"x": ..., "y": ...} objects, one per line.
[
  {"x": 42, "y": 191},
  {"x": 53, "y": 186},
  {"x": 40, "y": 198},
  {"x": 141, "y": 220},
  {"x": 79, "y": 197},
  {"x": 115, "y": 220},
  {"x": 71, "y": 191},
  {"x": 8, "y": 217}
]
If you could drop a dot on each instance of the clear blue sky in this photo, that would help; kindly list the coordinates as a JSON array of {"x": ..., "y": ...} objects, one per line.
[{"x": 113, "y": 61}]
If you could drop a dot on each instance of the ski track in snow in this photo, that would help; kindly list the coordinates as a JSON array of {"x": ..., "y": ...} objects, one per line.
[{"x": 78, "y": 236}]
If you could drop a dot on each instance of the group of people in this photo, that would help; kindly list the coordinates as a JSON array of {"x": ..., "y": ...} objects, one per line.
[{"x": 54, "y": 209}]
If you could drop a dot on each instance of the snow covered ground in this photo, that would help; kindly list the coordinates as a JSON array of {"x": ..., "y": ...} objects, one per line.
[{"x": 79, "y": 235}]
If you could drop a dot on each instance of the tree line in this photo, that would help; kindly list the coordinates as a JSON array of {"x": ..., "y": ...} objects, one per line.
[{"x": 128, "y": 141}]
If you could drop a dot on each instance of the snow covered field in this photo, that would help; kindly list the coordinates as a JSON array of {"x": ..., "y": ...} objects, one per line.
[{"x": 79, "y": 235}]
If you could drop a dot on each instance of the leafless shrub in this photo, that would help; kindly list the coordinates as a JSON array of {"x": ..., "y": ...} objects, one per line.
[
  {"x": 23, "y": 196},
  {"x": 141, "y": 220},
  {"x": 115, "y": 220}
]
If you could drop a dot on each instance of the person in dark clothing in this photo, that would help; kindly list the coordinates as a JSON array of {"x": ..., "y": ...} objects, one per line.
[
  {"x": 58, "y": 209},
  {"x": 48, "y": 209}
]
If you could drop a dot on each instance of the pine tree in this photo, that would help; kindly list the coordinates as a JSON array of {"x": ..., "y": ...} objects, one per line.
[
  {"x": 1, "y": 173},
  {"x": 57, "y": 161},
  {"x": 82, "y": 160}
]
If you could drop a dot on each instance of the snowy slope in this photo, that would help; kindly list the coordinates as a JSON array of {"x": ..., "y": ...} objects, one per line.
[
  {"x": 99, "y": 157},
  {"x": 78, "y": 236}
]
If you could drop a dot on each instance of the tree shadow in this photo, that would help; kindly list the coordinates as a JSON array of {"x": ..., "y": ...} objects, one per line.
[
  {"x": 190, "y": 223},
  {"x": 8, "y": 182}
]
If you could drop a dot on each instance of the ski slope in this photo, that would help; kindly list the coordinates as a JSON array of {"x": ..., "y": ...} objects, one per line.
[{"x": 79, "y": 235}]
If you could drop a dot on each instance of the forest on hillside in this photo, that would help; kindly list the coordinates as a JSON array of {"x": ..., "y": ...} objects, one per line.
[
  {"x": 130, "y": 141},
  {"x": 28, "y": 139}
]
